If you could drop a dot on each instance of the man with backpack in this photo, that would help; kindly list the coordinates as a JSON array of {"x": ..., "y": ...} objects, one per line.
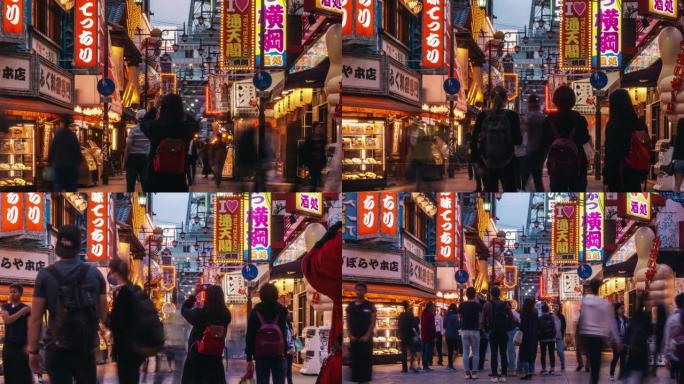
[
  {"x": 547, "y": 339},
  {"x": 498, "y": 319},
  {"x": 266, "y": 337},
  {"x": 496, "y": 133},
  {"x": 567, "y": 144},
  {"x": 74, "y": 295}
]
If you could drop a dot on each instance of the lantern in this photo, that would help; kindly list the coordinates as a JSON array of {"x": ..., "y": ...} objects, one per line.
[{"x": 308, "y": 95}]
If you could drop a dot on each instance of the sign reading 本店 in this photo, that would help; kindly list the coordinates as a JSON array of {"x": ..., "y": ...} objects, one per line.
[
  {"x": 570, "y": 286},
  {"x": 260, "y": 237},
  {"x": 389, "y": 211},
  {"x": 404, "y": 84},
  {"x": 98, "y": 210},
  {"x": 666, "y": 9},
  {"x": 372, "y": 265},
  {"x": 236, "y": 41},
  {"x": 636, "y": 206},
  {"x": 22, "y": 265},
  {"x": 275, "y": 33},
  {"x": 13, "y": 18},
  {"x": 565, "y": 233},
  {"x": 228, "y": 221},
  {"x": 594, "y": 227},
  {"x": 362, "y": 74},
  {"x": 367, "y": 213},
  {"x": 310, "y": 203},
  {"x": 575, "y": 35},
  {"x": 611, "y": 33},
  {"x": 446, "y": 227},
  {"x": 15, "y": 73},
  {"x": 422, "y": 274},
  {"x": 86, "y": 33},
  {"x": 433, "y": 34}
]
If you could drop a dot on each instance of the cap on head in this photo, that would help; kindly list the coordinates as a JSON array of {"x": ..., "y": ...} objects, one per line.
[
  {"x": 68, "y": 242},
  {"x": 140, "y": 114}
]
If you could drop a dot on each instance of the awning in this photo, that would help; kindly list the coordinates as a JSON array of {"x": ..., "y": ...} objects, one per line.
[
  {"x": 647, "y": 77},
  {"x": 398, "y": 292},
  {"x": 32, "y": 105},
  {"x": 367, "y": 104},
  {"x": 291, "y": 270},
  {"x": 310, "y": 78}
]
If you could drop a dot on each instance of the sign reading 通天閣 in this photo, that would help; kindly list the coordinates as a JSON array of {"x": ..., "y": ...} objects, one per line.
[
  {"x": 565, "y": 231},
  {"x": 636, "y": 206},
  {"x": 575, "y": 35},
  {"x": 228, "y": 222},
  {"x": 236, "y": 43}
]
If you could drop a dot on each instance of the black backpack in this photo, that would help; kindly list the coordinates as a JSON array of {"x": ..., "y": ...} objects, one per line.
[
  {"x": 501, "y": 318},
  {"x": 547, "y": 327},
  {"x": 496, "y": 140},
  {"x": 76, "y": 323},
  {"x": 147, "y": 329},
  {"x": 564, "y": 158}
]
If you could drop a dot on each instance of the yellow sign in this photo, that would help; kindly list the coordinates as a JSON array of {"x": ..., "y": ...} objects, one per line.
[
  {"x": 308, "y": 202},
  {"x": 168, "y": 282},
  {"x": 638, "y": 205}
]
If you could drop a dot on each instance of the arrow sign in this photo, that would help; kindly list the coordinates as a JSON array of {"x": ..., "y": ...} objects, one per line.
[
  {"x": 249, "y": 272},
  {"x": 105, "y": 87}
]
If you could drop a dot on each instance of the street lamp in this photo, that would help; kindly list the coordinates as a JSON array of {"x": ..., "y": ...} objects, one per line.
[{"x": 482, "y": 4}]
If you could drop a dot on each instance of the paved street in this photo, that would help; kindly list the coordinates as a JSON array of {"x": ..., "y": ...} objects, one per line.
[
  {"x": 118, "y": 184},
  {"x": 391, "y": 373}
]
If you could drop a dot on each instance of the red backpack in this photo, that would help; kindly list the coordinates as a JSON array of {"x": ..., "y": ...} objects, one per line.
[
  {"x": 213, "y": 340},
  {"x": 639, "y": 156},
  {"x": 170, "y": 157},
  {"x": 270, "y": 343}
]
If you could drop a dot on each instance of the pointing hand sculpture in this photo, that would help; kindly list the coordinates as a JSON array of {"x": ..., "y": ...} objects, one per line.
[
  {"x": 319, "y": 301},
  {"x": 669, "y": 42},
  {"x": 661, "y": 288}
]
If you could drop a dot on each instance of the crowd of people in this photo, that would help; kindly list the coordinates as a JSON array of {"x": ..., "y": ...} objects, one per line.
[{"x": 479, "y": 324}]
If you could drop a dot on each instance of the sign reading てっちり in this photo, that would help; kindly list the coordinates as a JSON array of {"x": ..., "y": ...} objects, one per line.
[
  {"x": 86, "y": 33},
  {"x": 13, "y": 16},
  {"x": 433, "y": 34},
  {"x": 98, "y": 231}
]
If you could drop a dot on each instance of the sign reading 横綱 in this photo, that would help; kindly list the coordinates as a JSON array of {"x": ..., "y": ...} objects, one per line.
[
  {"x": 433, "y": 34},
  {"x": 611, "y": 33},
  {"x": 635, "y": 206},
  {"x": 575, "y": 35},
  {"x": 565, "y": 233},
  {"x": 260, "y": 237},
  {"x": 446, "y": 227},
  {"x": 98, "y": 230},
  {"x": 13, "y": 20},
  {"x": 593, "y": 227},
  {"x": 570, "y": 286},
  {"x": 237, "y": 35},
  {"x": 404, "y": 83},
  {"x": 421, "y": 273},
  {"x": 86, "y": 33},
  {"x": 310, "y": 203},
  {"x": 666, "y": 9},
  {"x": 389, "y": 211},
  {"x": 228, "y": 221},
  {"x": 275, "y": 33},
  {"x": 372, "y": 265}
]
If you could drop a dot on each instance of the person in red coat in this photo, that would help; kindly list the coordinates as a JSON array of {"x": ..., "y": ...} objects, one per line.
[
  {"x": 322, "y": 267},
  {"x": 428, "y": 332}
]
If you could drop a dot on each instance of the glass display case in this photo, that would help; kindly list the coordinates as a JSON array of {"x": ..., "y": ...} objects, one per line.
[
  {"x": 17, "y": 157},
  {"x": 386, "y": 343},
  {"x": 363, "y": 143}
]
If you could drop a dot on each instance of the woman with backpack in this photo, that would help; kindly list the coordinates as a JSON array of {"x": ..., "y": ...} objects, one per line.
[
  {"x": 627, "y": 147},
  {"x": 204, "y": 363},
  {"x": 567, "y": 143},
  {"x": 266, "y": 337},
  {"x": 529, "y": 326},
  {"x": 169, "y": 139},
  {"x": 674, "y": 339},
  {"x": 621, "y": 355},
  {"x": 547, "y": 339},
  {"x": 452, "y": 326}
]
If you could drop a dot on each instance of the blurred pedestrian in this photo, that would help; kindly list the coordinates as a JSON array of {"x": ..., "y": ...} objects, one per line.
[
  {"x": 361, "y": 315},
  {"x": 484, "y": 333},
  {"x": 619, "y": 356},
  {"x": 64, "y": 159},
  {"x": 547, "y": 339},
  {"x": 439, "y": 332},
  {"x": 529, "y": 325},
  {"x": 561, "y": 326},
  {"x": 408, "y": 331},
  {"x": 673, "y": 348},
  {"x": 205, "y": 156},
  {"x": 193, "y": 154},
  {"x": 497, "y": 131},
  {"x": 678, "y": 156},
  {"x": 510, "y": 349},
  {"x": 246, "y": 157},
  {"x": 536, "y": 153},
  {"x": 313, "y": 154},
  {"x": 428, "y": 333},
  {"x": 627, "y": 147},
  {"x": 498, "y": 320},
  {"x": 470, "y": 311},
  {"x": 452, "y": 326},
  {"x": 15, "y": 361},
  {"x": 218, "y": 158},
  {"x": 136, "y": 154},
  {"x": 636, "y": 349}
]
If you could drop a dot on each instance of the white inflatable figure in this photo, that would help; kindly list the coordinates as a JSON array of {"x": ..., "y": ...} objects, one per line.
[
  {"x": 661, "y": 289},
  {"x": 320, "y": 302},
  {"x": 333, "y": 86},
  {"x": 669, "y": 42}
]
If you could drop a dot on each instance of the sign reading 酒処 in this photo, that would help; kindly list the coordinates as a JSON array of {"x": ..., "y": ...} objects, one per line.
[
  {"x": 275, "y": 33},
  {"x": 310, "y": 203},
  {"x": 594, "y": 227},
  {"x": 635, "y": 206},
  {"x": 228, "y": 221},
  {"x": 575, "y": 35},
  {"x": 86, "y": 33},
  {"x": 236, "y": 42},
  {"x": 98, "y": 231},
  {"x": 565, "y": 233},
  {"x": 666, "y": 9}
]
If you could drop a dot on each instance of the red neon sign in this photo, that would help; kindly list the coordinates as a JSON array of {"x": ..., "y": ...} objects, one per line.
[{"x": 85, "y": 35}]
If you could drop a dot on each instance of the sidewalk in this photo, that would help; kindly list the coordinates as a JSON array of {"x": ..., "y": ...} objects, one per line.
[
  {"x": 391, "y": 373},
  {"x": 118, "y": 184}
]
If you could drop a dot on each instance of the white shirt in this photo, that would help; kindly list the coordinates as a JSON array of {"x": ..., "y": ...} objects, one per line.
[{"x": 439, "y": 324}]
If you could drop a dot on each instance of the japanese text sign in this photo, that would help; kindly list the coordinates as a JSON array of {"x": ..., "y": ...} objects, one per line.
[
  {"x": 168, "y": 282},
  {"x": 22, "y": 213},
  {"x": 667, "y": 9},
  {"x": 564, "y": 243},
  {"x": 275, "y": 33},
  {"x": 364, "y": 18},
  {"x": 372, "y": 265},
  {"x": 218, "y": 94},
  {"x": 548, "y": 282},
  {"x": 636, "y": 206},
  {"x": 309, "y": 203},
  {"x": 421, "y": 274},
  {"x": 86, "y": 33},
  {"x": 227, "y": 224},
  {"x": 98, "y": 209},
  {"x": 237, "y": 35},
  {"x": 593, "y": 226},
  {"x": 362, "y": 74},
  {"x": 55, "y": 83},
  {"x": 35, "y": 213},
  {"x": 611, "y": 33},
  {"x": 575, "y": 35},
  {"x": 13, "y": 16},
  {"x": 259, "y": 240},
  {"x": 510, "y": 276},
  {"x": 168, "y": 83},
  {"x": 12, "y": 212},
  {"x": 346, "y": 13},
  {"x": 22, "y": 265},
  {"x": 328, "y": 7},
  {"x": 389, "y": 210},
  {"x": 570, "y": 286},
  {"x": 368, "y": 213},
  {"x": 16, "y": 73},
  {"x": 446, "y": 227},
  {"x": 433, "y": 40}
]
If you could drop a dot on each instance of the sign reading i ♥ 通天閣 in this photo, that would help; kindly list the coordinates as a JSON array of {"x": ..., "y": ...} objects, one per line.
[
  {"x": 228, "y": 222},
  {"x": 575, "y": 35},
  {"x": 565, "y": 231},
  {"x": 236, "y": 42}
]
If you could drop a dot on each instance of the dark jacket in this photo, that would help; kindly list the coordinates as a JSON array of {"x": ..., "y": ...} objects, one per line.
[
  {"x": 636, "y": 341},
  {"x": 428, "y": 331},
  {"x": 529, "y": 326},
  {"x": 156, "y": 131},
  {"x": 407, "y": 327},
  {"x": 564, "y": 123},
  {"x": 121, "y": 317},
  {"x": 678, "y": 151},
  {"x": 516, "y": 135},
  {"x": 451, "y": 326},
  {"x": 268, "y": 311},
  {"x": 65, "y": 150},
  {"x": 618, "y": 142}
]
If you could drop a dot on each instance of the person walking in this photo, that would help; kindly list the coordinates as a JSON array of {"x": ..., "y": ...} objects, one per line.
[
  {"x": 266, "y": 337},
  {"x": 15, "y": 361},
  {"x": 496, "y": 132},
  {"x": 484, "y": 333},
  {"x": 674, "y": 333},
  {"x": 136, "y": 154},
  {"x": 205, "y": 156},
  {"x": 619, "y": 356},
  {"x": 498, "y": 320},
  {"x": 246, "y": 157},
  {"x": 534, "y": 121},
  {"x": 64, "y": 159},
  {"x": 169, "y": 139},
  {"x": 627, "y": 147},
  {"x": 439, "y": 332},
  {"x": 452, "y": 325},
  {"x": 417, "y": 345},
  {"x": 529, "y": 326},
  {"x": 637, "y": 351},
  {"x": 428, "y": 333},
  {"x": 596, "y": 324},
  {"x": 561, "y": 326},
  {"x": 204, "y": 363},
  {"x": 193, "y": 154},
  {"x": 678, "y": 156},
  {"x": 510, "y": 347},
  {"x": 471, "y": 312},
  {"x": 313, "y": 152},
  {"x": 218, "y": 158},
  {"x": 284, "y": 300},
  {"x": 361, "y": 315},
  {"x": 547, "y": 339},
  {"x": 74, "y": 294},
  {"x": 408, "y": 331},
  {"x": 521, "y": 173},
  {"x": 566, "y": 141}
]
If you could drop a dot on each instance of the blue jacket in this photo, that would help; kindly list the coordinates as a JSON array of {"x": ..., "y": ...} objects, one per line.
[{"x": 451, "y": 326}]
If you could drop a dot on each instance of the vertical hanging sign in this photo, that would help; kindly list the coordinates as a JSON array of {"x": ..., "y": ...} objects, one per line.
[
  {"x": 389, "y": 213},
  {"x": 227, "y": 226},
  {"x": 12, "y": 212},
  {"x": 237, "y": 36},
  {"x": 364, "y": 20},
  {"x": 97, "y": 226},
  {"x": 85, "y": 33},
  {"x": 433, "y": 34},
  {"x": 446, "y": 233},
  {"x": 275, "y": 33},
  {"x": 35, "y": 213},
  {"x": 13, "y": 17},
  {"x": 611, "y": 33},
  {"x": 593, "y": 227},
  {"x": 368, "y": 213},
  {"x": 575, "y": 35},
  {"x": 565, "y": 231},
  {"x": 260, "y": 217},
  {"x": 346, "y": 14}
]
